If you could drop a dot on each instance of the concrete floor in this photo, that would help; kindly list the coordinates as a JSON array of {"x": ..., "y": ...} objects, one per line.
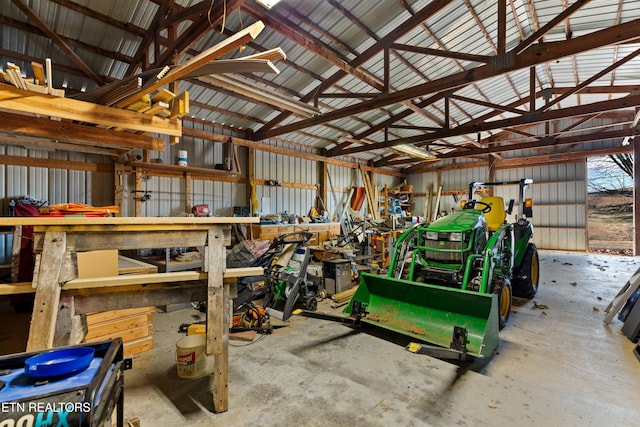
[{"x": 558, "y": 366}]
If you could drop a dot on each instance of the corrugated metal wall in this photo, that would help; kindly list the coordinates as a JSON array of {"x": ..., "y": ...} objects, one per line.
[
  {"x": 53, "y": 185},
  {"x": 559, "y": 204},
  {"x": 284, "y": 169},
  {"x": 559, "y": 191},
  {"x": 559, "y": 195},
  {"x": 451, "y": 180}
]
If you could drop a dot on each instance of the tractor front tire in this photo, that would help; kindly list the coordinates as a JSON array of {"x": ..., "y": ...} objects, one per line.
[
  {"x": 525, "y": 283},
  {"x": 503, "y": 289}
]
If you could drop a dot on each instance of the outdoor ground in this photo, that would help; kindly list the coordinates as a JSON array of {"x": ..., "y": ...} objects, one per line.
[{"x": 610, "y": 222}]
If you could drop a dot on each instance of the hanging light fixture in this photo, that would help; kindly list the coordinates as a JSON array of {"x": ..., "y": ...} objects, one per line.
[{"x": 267, "y": 3}]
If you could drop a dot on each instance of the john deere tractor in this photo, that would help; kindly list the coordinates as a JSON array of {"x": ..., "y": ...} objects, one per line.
[{"x": 450, "y": 283}]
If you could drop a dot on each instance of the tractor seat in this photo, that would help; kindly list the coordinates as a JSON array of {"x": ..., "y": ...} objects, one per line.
[{"x": 497, "y": 216}]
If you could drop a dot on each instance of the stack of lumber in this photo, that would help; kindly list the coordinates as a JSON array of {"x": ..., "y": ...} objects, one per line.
[
  {"x": 39, "y": 83},
  {"x": 133, "y": 325},
  {"x": 342, "y": 298}
]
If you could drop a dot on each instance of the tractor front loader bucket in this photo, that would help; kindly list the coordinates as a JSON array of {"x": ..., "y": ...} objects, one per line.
[{"x": 459, "y": 320}]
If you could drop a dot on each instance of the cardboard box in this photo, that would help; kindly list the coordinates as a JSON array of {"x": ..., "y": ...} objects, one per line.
[{"x": 97, "y": 264}]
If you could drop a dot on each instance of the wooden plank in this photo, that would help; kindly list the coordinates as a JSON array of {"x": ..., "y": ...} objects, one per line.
[
  {"x": 111, "y": 327},
  {"x": 220, "y": 381},
  {"x": 14, "y": 99},
  {"x": 38, "y": 72},
  {"x": 15, "y": 253},
  {"x": 135, "y": 347},
  {"x": 127, "y": 335},
  {"x": 216, "y": 51},
  {"x": 125, "y": 281},
  {"x": 87, "y": 241},
  {"x": 180, "y": 106},
  {"x": 235, "y": 65},
  {"x": 215, "y": 265},
  {"x": 45, "y": 307},
  {"x": 128, "y": 265},
  {"x": 163, "y": 95},
  {"x": 180, "y": 293},
  {"x": 104, "y": 316},
  {"x": 274, "y": 54},
  {"x": 73, "y": 133},
  {"x": 150, "y": 222},
  {"x": 70, "y": 326}
]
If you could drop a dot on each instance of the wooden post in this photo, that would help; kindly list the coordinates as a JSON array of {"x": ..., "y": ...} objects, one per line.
[
  {"x": 15, "y": 253},
  {"x": 47, "y": 281},
  {"x": 218, "y": 318},
  {"x": 188, "y": 192},
  {"x": 70, "y": 327},
  {"x": 138, "y": 194},
  {"x": 502, "y": 26},
  {"x": 119, "y": 187},
  {"x": 252, "y": 197},
  {"x": 323, "y": 183},
  {"x": 636, "y": 195}
]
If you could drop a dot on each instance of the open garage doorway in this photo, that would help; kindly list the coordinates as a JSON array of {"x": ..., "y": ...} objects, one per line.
[{"x": 610, "y": 205}]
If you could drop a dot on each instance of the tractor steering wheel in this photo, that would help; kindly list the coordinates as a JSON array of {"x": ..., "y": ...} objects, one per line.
[{"x": 471, "y": 204}]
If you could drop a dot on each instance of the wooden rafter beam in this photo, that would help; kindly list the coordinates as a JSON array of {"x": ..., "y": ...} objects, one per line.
[
  {"x": 539, "y": 117},
  {"x": 210, "y": 136},
  {"x": 576, "y": 139},
  {"x": 624, "y": 89},
  {"x": 528, "y": 161},
  {"x": 152, "y": 33},
  {"x": 32, "y": 29},
  {"x": 488, "y": 104},
  {"x": 537, "y": 54},
  {"x": 537, "y": 35},
  {"x": 83, "y": 10},
  {"x": 502, "y": 26},
  {"x": 293, "y": 32},
  {"x": 442, "y": 53},
  {"x": 196, "y": 31},
  {"x": 592, "y": 79},
  {"x": 416, "y": 19},
  {"x": 57, "y": 40}
]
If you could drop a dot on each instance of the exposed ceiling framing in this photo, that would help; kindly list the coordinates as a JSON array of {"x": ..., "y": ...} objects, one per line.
[{"x": 474, "y": 79}]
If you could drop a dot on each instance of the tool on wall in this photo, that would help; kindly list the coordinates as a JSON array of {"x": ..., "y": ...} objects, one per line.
[{"x": 146, "y": 193}]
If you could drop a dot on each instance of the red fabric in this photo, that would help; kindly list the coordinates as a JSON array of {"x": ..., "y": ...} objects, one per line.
[{"x": 27, "y": 262}]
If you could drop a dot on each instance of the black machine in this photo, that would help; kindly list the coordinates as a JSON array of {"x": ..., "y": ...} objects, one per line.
[{"x": 70, "y": 386}]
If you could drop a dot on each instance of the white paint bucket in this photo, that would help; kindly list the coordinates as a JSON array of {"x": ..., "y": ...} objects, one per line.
[
  {"x": 191, "y": 359},
  {"x": 182, "y": 158}
]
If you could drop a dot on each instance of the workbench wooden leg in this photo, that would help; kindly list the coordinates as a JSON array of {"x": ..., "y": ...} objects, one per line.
[
  {"x": 47, "y": 284},
  {"x": 217, "y": 318},
  {"x": 71, "y": 328},
  {"x": 221, "y": 361}
]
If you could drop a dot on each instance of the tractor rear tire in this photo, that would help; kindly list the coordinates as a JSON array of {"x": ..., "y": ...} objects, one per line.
[
  {"x": 503, "y": 289},
  {"x": 525, "y": 283}
]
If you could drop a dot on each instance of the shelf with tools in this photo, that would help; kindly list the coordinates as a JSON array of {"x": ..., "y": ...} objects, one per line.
[{"x": 397, "y": 201}]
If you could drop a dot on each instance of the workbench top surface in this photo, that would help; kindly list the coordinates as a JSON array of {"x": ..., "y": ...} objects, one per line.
[{"x": 74, "y": 220}]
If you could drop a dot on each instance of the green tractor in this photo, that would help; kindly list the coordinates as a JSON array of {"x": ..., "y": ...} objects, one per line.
[{"x": 450, "y": 282}]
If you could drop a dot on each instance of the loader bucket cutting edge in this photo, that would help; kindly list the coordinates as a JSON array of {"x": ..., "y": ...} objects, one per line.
[{"x": 429, "y": 313}]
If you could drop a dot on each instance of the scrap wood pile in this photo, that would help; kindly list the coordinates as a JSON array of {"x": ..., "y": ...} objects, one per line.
[
  {"x": 342, "y": 298},
  {"x": 162, "y": 102},
  {"x": 39, "y": 83}
]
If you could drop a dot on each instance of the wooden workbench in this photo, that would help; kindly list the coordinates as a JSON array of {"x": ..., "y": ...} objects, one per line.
[{"x": 61, "y": 297}]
